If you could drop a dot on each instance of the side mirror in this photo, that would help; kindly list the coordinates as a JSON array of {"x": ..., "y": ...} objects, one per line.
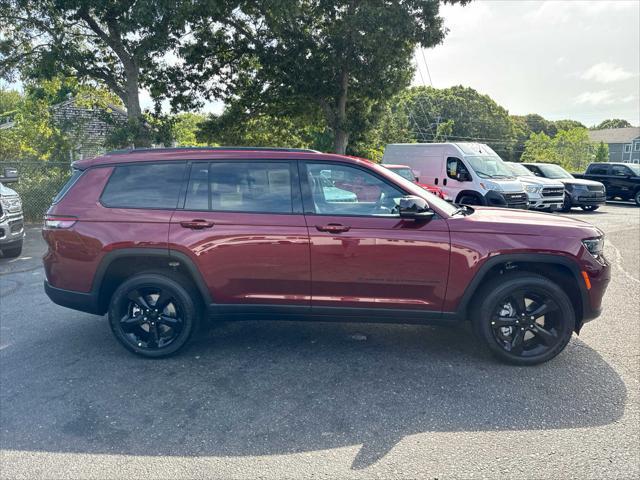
[
  {"x": 462, "y": 177},
  {"x": 414, "y": 208},
  {"x": 417, "y": 179},
  {"x": 9, "y": 175}
]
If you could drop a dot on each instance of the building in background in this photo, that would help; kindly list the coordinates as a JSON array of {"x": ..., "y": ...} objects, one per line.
[{"x": 624, "y": 143}]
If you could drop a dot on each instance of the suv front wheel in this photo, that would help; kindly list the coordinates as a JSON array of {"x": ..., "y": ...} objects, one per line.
[
  {"x": 153, "y": 315},
  {"x": 524, "y": 318}
]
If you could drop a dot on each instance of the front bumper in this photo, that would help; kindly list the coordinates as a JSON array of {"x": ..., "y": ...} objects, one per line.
[
  {"x": 538, "y": 202},
  {"x": 11, "y": 230},
  {"x": 581, "y": 198},
  {"x": 509, "y": 200}
]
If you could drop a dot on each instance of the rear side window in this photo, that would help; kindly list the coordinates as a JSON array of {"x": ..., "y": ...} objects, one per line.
[
  {"x": 598, "y": 170},
  {"x": 252, "y": 187},
  {"x": 153, "y": 185},
  {"x": 67, "y": 186}
]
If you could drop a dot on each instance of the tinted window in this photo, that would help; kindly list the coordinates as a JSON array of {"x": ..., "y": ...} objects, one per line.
[
  {"x": 153, "y": 185},
  {"x": 198, "y": 187},
  {"x": 620, "y": 171},
  {"x": 598, "y": 170},
  {"x": 343, "y": 190},
  {"x": 67, "y": 186},
  {"x": 251, "y": 187}
]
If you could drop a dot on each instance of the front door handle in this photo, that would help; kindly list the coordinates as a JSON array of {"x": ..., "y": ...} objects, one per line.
[
  {"x": 197, "y": 224},
  {"x": 333, "y": 228}
]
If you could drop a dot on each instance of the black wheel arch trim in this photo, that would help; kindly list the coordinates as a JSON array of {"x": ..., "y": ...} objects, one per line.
[
  {"x": 170, "y": 255},
  {"x": 587, "y": 312},
  {"x": 473, "y": 193}
]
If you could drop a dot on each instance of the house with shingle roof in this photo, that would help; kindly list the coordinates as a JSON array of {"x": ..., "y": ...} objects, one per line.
[{"x": 624, "y": 143}]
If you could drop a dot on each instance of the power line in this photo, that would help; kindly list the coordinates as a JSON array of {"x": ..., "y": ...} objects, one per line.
[{"x": 426, "y": 65}]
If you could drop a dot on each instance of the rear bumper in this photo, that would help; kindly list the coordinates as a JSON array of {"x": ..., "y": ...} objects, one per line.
[{"x": 85, "y": 302}]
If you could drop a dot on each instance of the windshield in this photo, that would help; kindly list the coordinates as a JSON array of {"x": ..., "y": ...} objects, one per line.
[
  {"x": 404, "y": 172},
  {"x": 519, "y": 170},
  {"x": 489, "y": 167},
  {"x": 554, "y": 171}
]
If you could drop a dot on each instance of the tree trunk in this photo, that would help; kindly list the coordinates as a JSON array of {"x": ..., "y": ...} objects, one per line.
[
  {"x": 341, "y": 135},
  {"x": 340, "y": 141},
  {"x": 141, "y": 137}
]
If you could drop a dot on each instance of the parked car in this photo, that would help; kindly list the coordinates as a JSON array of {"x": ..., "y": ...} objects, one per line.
[
  {"x": 543, "y": 193},
  {"x": 405, "y": 172},
  {"x": 163, "y": 239},
  {"x": 468, "y": 173},
  {"x": 621, "y": 180},
  {"x": 11, "y": 217},
  {"x": 586, "y": 194}
]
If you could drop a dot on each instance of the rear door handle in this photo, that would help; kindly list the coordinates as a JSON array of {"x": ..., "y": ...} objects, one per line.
[
  {"x": 333, "y": 228},
  {"x": 197, "y": 224}
]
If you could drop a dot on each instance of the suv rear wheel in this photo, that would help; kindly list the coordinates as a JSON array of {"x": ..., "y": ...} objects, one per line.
[
  {"x": 524, "y": 318},
  {"x": 153, "y": 315}
]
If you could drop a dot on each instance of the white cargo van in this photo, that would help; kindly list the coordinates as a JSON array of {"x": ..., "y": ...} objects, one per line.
[{"x": 468, "y": 173}]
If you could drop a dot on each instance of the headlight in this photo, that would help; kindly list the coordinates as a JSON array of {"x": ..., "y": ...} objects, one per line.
[
  {"x": 594, "y": 245},
  {"x": 491, "y": 186},
  {"x": 580, "y": 187},
  {"x": 532, "y": 188}
]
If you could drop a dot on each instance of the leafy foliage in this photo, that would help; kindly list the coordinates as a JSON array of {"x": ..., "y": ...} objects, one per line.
[
  {"x": 612, "y": 123},
  {"x": 339, "y": 58},
  {"x": 570, "y": 149},
  {"x": 115, "y": 43},
  {"x": 602, "y": 152}
]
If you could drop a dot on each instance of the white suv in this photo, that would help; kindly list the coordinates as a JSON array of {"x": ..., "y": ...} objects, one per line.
[{"x": 544, "y": 193}]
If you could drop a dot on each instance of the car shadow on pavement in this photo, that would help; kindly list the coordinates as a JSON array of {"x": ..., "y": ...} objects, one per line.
[{"x": 268, "y": 388}]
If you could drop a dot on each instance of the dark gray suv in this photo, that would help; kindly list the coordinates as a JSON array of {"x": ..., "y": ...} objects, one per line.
[{"x": 586, "y": 194}]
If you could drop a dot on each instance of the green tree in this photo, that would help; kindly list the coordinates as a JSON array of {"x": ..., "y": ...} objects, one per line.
[
  {"x": 186, "y": 127},
  {"x": 9, "y": 100},
  {"x": 343, "y": 59},
  {"x": 115, "y": 43},
  {"x": 602, "y": 152},
  {"x": 459, "y": 113},
  {"x": 568, "y": 124},
  {"x": 612, "y": 123},
  {"x": 570, "y": 149}
]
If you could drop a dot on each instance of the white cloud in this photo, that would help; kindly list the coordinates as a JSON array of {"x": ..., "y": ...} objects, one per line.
[
  {"x": 601, "y": 97},
  {"x": 606, "y": 73}
]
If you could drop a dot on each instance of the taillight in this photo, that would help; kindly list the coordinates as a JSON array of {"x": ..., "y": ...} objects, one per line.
[{"x": 56, "y": 222}]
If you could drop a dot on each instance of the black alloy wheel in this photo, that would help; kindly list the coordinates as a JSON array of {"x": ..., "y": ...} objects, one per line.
[
  {"x": 152, "y": 315},
  {"x": 525, "y": 319}
]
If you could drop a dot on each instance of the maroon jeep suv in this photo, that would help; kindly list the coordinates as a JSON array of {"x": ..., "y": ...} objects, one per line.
[{"x": 164, "y": 239}]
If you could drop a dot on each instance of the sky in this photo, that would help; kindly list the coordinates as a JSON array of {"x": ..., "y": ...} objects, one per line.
[{"x": 560, "y": 59}]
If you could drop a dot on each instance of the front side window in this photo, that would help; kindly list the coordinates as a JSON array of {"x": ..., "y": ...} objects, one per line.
[
  {"x": 620, "y": 171},
  {"x": 260, "y": 187},
  {"x": 456, "y": 169},
  {"x": 554, "y": 171},
  {"x": 338, "y": 189},
  {"x": 149, "y": 185}
]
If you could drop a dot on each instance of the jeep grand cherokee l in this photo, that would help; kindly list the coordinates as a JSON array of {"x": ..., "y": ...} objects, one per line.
[{"x": 163, "y": 239}]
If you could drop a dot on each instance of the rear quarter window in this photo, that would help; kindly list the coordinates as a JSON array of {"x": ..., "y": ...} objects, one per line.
[
  {"x": 75, "y": 175},
  {"x": 152, "y": 185}
]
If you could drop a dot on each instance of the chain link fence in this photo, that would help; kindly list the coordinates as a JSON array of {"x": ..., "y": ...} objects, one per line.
[{"x": 38, "y": 183}]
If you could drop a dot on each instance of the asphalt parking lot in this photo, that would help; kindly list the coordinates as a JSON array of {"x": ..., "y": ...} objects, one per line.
[{"x": 296, "y": 400}]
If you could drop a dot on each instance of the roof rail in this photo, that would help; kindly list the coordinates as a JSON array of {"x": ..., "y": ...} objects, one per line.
[{"x": 174, "y": 149}]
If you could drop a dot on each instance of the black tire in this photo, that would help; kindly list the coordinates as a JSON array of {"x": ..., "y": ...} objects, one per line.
[
  {"x": 499, "y": 318},
  {"x": 566, "y": 204},
  {"x": 466, "y": 199},
  {"x": 636, "y": 198},
  {"x": 148, "y": 331},
  {"x": 590, "y": 208},
  {"x": 12, "y": 252}
]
